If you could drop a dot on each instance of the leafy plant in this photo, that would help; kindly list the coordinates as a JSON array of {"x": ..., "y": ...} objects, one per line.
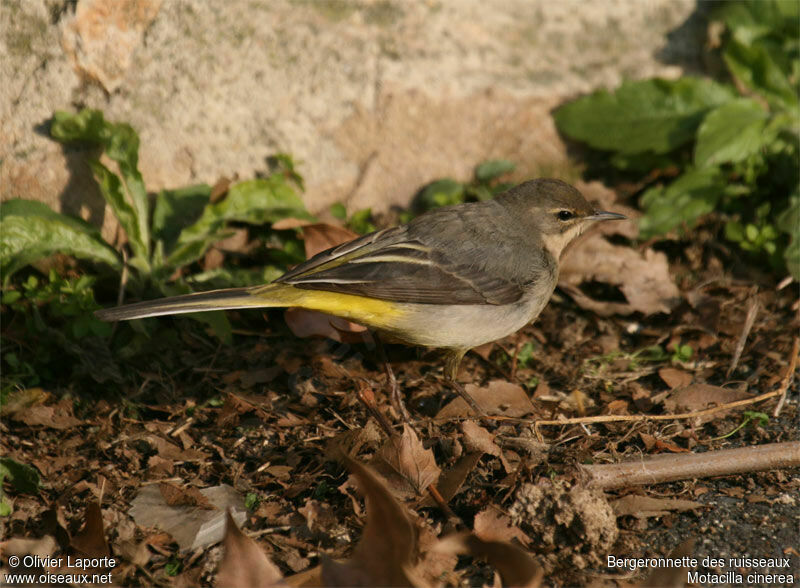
[
  {"x": 736, "y": 146},
  {"x": 484, "y": 185},
  {"x": 165, "y": 234},
  {"x": 176, "y": 231},
  {"x": 23, "y": 478}
]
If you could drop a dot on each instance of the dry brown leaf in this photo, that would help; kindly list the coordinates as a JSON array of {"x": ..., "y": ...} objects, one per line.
[
  {"x": 515, "y": 565},
  {"x": 22, "y": 400},
  {"x": 290, "y": 222},
  {"x": 170, "y": 451},
  {"x": 56, "y": 416},
  {"x": 244, "y": 564},
  {"x": 498, "y": 398},
  {"x": 311, "y": 323},
  {"x": 644, "y": 506},
  {"x": 389, "y": 545},
  {"x": 91, "y": 540},
  {"x": 450, "y": 482},
  {"x": 675, "y": 378},
  {"x": 406, "y": 463},
  {"x": 695, "y": 397},
  {"x": 667, "y": 577},
  {"x": 175, "y": 495},
  {"x": 492, "y": 524},
  {"x": 321, "y": 236},
  {"x": 643, "y": 278},
  {"x": 476, "y": 438},
  {"x": 189, "y": 526}
]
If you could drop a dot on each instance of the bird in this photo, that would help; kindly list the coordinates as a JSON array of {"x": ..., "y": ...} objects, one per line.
[{"x": 453, "y": 278}]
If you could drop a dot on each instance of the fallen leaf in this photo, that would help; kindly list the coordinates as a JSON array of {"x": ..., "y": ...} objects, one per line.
[
  {"x": 311, "y": 323},
  {"x": 175, "y": 495},
  {"x": 675, "y": 378},
  {"x": 91, "y": 540},
  {"x": 321, "y": 236},
  {"x": 388, "y": 548},
  {"x": 476, "y": 438},
  {"x": 56, "y": 416},
  {"x": 189, "y": 526},
  {"x": 697, "y": 397},
  {"x": 406, "y": 462},
  {"x": 244, "y": 564},
  {"x": 170, "y": 451},
  {"x": 491, "y": 524},
  {"x": 644, "y": 506},
  {"x": 643, "y": 278},
  {"x": 22, "y": 400},
  {"x": 450, "y": 482},
  {"x": 515, "y": 565},
  {"x": 498, "y": 398}
]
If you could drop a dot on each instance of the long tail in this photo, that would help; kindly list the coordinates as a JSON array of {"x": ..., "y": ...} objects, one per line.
[{"x": 254, "y": 297}]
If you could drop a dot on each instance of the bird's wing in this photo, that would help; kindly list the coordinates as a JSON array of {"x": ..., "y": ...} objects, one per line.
[{"x": 391, "y": 265}]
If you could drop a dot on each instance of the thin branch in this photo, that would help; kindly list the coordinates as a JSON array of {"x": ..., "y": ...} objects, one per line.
[
  {"x": 615, "y": 418},
  {"x": 787, "y": 377},
  {"x": 684, "y": 466}
]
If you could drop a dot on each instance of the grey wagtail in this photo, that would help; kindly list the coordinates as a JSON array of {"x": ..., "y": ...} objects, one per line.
[{"x": 453, "y": 278}]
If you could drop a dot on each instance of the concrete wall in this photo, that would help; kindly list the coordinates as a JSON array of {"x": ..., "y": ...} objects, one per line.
[{"x": 374, "y": 98}]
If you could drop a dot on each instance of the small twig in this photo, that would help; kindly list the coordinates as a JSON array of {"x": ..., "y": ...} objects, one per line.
[
  {"x": 750, "y": 319},
  {"x": 683, "y": 466},
  {"x": 787, "y": 377},
  {"x": 615, "y": 418},
  {"x": 367, "y": 398}
]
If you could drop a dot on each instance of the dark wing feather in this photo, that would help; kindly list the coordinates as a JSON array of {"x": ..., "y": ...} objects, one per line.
[{"x": 389, "y": 266}]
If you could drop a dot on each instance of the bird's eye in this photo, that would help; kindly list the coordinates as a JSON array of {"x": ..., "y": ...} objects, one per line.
[{"x": 565, "y": 215}]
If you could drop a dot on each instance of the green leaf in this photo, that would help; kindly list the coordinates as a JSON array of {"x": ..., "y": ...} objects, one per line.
[
  {"x": 111, "y": 189},
  {"x": 23, "y": 478},
  {"x": 176, "y": 209},
  {"x": 750, "y": 20},
  {"x": 121, "y": 144},
  {"x": 731, "y": 133},
  {"x": 650, "y": 115},
  {"x": 338, "y": 211},
  {"x": 692, "y": 195},
  {"x": 443, "y": 192},
  {"x": 361, "y": 221},
  {"x": 755, "y": 68},
  {"x": 87, "y": 126},
  {"x": 30, "y": 231},
  {"x": 253, "y": 201},
  {"x": 492, "y": 169}
]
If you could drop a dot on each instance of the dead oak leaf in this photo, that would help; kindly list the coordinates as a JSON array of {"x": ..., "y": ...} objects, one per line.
[
  {"x": 643, "y": 278},
  {"x": 406, "y": 462},
  {"x": 498, "y": 398},
  {"x": 244, "y": 564},
  {"x": 389, "y": 545}
]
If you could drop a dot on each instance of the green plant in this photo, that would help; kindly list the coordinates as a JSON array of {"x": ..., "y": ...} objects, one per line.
[
  {"x": 485, "y": 185},
  {"x": 736, "y": 148},
  {"x": 165, "y": 234},
  {"x": 23, "y": 478},
  {"x": 749, "y": 416}
]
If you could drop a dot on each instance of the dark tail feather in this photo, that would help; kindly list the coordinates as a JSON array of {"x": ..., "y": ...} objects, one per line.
[{"x": 199, "y": 302}]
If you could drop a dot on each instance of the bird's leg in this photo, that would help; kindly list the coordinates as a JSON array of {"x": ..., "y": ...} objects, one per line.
[
  {"x": 452, "y": 360},
  {"x": 391, "y": 382}
]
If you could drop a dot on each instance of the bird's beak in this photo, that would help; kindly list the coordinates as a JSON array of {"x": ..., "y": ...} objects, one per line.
[{"x": 605, "y": 215}]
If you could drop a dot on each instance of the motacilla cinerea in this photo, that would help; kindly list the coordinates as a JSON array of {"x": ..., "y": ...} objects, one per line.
[{"x": 453, "y": 278}]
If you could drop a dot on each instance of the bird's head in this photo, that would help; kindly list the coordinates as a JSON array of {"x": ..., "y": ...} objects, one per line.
[{"x": 555, "y": 210}]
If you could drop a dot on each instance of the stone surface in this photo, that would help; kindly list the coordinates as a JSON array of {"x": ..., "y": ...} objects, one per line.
[{"x": 373, "y": 98}]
